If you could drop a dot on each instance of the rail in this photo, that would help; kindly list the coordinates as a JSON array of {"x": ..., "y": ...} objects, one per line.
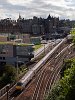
[
  {"x": 40, "y": 63},
  {"x": 45, "y": 77}
]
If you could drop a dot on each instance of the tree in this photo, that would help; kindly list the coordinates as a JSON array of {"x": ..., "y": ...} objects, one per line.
[
  {"x": 9, "y": 75},
  {"x": 67, "y": 64},
  {"x": 65, "y": 88},
  {"x": 72, "y": 32}
]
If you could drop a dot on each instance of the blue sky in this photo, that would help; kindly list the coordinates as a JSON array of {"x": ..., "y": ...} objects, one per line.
[{"x": 29, "y": 8}]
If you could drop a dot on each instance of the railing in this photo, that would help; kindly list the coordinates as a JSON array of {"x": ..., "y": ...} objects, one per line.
[{"x": 4, "y": 89}]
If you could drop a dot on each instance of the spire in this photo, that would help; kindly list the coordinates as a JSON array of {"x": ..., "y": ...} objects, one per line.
[
  {"x": 49, "y": 17},
  {"x": 19, "y": 16}
]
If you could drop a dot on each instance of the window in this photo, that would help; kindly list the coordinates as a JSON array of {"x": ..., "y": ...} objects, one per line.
[
  {"x": 3, "y": 52},
  {"x": 19, "y": 84},
  {"x": 3, "y": 58},
  {"x": 0, "y": 57}
]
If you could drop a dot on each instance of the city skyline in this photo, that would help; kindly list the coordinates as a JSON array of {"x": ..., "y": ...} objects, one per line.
[{"x": 64, "y": 9}]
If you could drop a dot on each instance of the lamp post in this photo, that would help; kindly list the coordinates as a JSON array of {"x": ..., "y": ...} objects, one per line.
[
  {"x": 51, "y": 45},
  {"x": 17, "y": 66},
  {"x": 44, "y": 49},
  {"x": 7, "y": 89}
]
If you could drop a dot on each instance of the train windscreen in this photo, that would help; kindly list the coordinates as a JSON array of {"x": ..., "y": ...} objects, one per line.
[{"x": 19, "y": 84}]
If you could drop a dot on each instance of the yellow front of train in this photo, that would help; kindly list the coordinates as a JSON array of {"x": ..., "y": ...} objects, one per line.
[{"x": 19, "y": 86}]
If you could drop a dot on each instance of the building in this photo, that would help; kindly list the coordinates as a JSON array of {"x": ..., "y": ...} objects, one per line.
[
  {"x": 3, "y": 38},
  {"x": 25, "y": 38},
  {"x": 11, "y": 37},
  {"x": 13, "y": 52},
  {"x": 35, "y": 26},
  {"x": 35, "y": 40}
]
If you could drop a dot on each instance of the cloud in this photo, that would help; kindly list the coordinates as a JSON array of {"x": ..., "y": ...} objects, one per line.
[{"x": 40, "y": 8}]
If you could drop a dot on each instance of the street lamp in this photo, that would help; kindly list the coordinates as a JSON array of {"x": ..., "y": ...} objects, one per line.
[
  {"x": 17, "y": 66},
  {"x": 7, "y": 89},
  {"x": 44, "y": 49}
]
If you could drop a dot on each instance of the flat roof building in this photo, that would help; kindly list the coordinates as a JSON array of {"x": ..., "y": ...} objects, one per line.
[{"x": 9, "y": 51}]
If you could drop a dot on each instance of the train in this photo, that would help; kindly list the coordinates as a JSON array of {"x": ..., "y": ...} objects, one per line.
[
  {"x": 69, "y": 38},
  {"x": 31, "y": 73}
]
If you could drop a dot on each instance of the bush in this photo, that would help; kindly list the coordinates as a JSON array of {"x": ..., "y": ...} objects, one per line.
[
  {"x": 9, "y": 75},
  {"x": 65, "y": 88}
]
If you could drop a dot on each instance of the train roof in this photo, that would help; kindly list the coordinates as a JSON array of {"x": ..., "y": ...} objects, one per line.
[{"x": 26, "y": 76}]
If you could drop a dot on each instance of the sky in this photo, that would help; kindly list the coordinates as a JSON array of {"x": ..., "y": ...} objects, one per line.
[{"x": 64, "y": 9}]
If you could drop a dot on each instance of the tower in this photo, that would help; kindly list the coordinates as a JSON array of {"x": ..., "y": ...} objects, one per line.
[
  {"x": 49, "y": 17},
  {"x": 19, "y": 17}
]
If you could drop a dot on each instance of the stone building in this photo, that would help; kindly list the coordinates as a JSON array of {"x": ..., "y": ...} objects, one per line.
[{"x": 38, "y": 26}]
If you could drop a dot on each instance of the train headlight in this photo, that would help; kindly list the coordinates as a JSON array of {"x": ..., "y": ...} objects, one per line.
[{"x": 18, "y": 87}]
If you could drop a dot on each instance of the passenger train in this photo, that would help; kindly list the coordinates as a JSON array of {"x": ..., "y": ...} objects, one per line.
[{"x": 29, "y": 75}]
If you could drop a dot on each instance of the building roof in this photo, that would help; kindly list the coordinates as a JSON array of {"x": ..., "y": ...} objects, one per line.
[{"x": 13, "y": 43}]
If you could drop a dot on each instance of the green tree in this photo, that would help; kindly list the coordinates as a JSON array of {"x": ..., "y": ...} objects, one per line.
[
  {"x": 72, "y": 32},
  {"x": 65, "y": 88},
  {"x": 66, "y": 65},
  {"x": 9, "y": 75}
]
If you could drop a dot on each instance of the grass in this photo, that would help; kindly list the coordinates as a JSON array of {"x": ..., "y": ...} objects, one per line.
[
  {"x": 37, "y": 46},
  {"x": 22, "y": 70},
  {"x": 14, "y": 43}
]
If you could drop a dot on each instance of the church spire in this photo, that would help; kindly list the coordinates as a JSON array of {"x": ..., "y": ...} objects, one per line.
[
  {"x": 49, "y": 17},
  {"x": 19, "y": 16}
]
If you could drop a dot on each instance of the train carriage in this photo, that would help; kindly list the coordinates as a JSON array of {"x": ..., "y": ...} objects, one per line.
[
  {"x": 36, "y": 68},
  {"x": 23, "y": 82}
]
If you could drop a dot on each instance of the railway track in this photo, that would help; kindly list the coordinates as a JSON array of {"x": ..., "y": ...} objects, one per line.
[
  {"x": 27, "y": 94},
  {"x": 31, "y": 84},
  {"x": 29, "y": 65},
  {"x": 34, "y": 82},
  {"x": 46, "y": 78}
]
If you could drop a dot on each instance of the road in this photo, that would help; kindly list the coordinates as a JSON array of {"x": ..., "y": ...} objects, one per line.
[{"x": 48, "y": 45}]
